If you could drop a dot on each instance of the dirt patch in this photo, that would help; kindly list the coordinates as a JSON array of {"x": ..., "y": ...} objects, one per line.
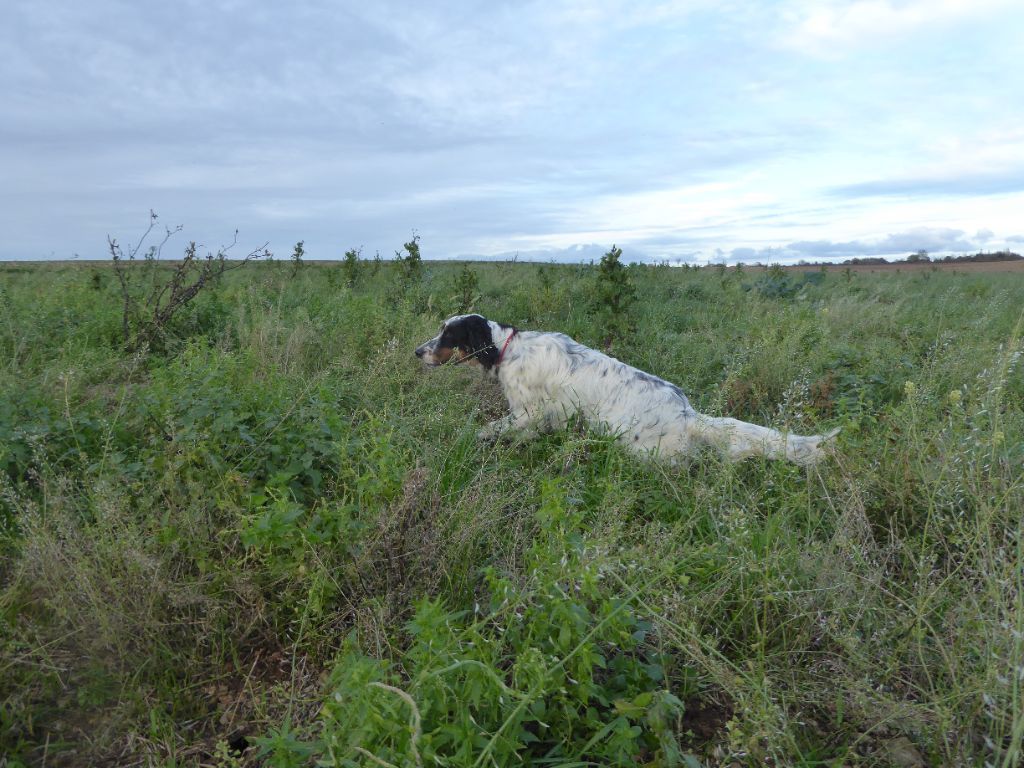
[{"x": 703, "y": 723}]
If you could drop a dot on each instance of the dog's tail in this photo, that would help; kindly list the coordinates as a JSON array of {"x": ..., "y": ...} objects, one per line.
[{"x": 739, "y": 440}]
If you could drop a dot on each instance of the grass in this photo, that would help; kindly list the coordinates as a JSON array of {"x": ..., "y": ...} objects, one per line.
[{"x": 277, "y": 542}]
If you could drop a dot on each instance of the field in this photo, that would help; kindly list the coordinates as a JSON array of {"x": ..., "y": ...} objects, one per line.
[
  {"x": 953, "y": 267},
  {"x": 268, "y": 537}
]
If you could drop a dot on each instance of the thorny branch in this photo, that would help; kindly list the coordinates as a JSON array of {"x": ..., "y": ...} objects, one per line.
[{"x": 150, "y": 302}]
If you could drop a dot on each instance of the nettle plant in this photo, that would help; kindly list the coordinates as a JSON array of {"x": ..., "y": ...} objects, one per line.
[{"x": 553, "y": 669}]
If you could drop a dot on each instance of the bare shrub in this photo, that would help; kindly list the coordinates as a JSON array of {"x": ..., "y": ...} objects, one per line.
[{"x": 154, "y": 293}]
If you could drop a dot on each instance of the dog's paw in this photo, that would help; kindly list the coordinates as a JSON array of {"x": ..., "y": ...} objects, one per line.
[
  {"x": 488, "y": 435},
  {"x": 812, "y": 450}
]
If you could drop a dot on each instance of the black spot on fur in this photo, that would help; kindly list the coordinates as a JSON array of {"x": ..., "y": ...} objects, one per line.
[
  {"x": 576, "y": 354},
  {"x": 648, "y": 378},
  {"x": 658, "y": 382}
]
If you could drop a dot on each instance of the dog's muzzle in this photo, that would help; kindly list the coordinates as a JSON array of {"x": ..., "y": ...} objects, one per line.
[{"x": 425, "y": 352}]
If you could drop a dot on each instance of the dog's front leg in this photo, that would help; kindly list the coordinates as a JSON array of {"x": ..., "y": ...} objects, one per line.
[{"x": 518, "y": 422}]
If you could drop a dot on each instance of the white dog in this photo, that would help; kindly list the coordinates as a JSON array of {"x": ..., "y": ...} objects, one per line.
[{"x": 548, "y": 377}]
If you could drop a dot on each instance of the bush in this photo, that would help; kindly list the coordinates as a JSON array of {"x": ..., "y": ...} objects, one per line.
[
  {"x": 353, "y": 266},
  {"x": 775, "y": 284},
  {"x": 467, "y": 289},
  {"x": 410, "y": 263},
  {"x": 612, "y": 296},
  {"x": 154, "y": 294}
]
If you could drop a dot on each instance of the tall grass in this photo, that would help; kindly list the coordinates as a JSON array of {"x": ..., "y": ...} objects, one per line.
[{"x": 277, "y": 541}]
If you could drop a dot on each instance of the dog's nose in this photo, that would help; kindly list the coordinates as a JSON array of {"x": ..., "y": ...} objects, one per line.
[{"x": 420, "y": 351}]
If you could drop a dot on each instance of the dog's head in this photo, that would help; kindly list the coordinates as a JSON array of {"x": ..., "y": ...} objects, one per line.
[{"x": 463, "y": 339}]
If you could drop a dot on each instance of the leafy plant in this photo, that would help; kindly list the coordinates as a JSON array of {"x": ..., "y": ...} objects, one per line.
[
  {"x": 775, "y": 284},
  {"x": 558, "y": 670},
  {"x": 352, "y": 265},
  {"x": 613, "y": 295},
  {"x": 297, "y": 253},
  {"x": 467, "y": 288},
  {"x": 411, "y": 264},
  {"x": 281, "y": 748}
]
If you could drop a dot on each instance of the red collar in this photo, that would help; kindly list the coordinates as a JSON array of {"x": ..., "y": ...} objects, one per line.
[{"x": 502, "y": 355}]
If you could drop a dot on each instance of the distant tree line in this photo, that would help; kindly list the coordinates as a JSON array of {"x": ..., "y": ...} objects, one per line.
[
  {"x": 922, "y": 256},
  {"x": 994, "y": 256}
]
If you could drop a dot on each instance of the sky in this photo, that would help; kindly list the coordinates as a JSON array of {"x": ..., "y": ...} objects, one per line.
[{"x": 682, "y": 131}]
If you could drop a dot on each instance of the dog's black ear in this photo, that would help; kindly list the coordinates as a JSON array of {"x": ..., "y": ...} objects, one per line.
[{"x": 477, "y": 341}]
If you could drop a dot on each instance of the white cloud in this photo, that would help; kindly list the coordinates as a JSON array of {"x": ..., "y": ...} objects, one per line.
[
  {"x": 935, "y": 240},
  {"x": 833, "y": 28}
]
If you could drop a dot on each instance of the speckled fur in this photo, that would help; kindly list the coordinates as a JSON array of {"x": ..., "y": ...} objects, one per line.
[{"x": 547, "y": 378}]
